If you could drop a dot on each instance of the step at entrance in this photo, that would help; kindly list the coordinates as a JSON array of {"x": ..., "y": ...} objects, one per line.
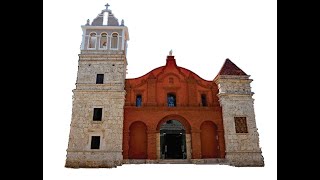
[{"x": 174, "y": 161}]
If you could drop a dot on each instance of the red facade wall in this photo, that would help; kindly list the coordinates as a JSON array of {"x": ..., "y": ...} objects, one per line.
[
  {"x": 189, "y": 110},
  {"x": 209, "y": 140},
  {"x": 138, "y": 141}
]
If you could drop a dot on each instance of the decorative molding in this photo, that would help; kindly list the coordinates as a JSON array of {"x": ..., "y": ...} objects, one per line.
[{"x": 175, "y": 88}]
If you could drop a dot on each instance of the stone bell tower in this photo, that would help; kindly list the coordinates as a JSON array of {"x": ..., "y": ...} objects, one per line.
[
  {"x": 96, "y": 127},
  {"x": 241, "y": 132}
]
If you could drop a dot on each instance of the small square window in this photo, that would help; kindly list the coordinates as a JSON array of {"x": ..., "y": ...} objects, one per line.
[
  {"x": 95, "y": 142},
  {"x": 97, "y": 114},
  {"x": 99, "y": 78},
  {"x": 241, "y": 124}
]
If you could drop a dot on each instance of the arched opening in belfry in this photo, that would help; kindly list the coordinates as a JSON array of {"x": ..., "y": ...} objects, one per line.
[
  {"x": 103, "y": 40},
  {"x": 173, "y": 140},
  {"x": 92, "y": 40},
  {"x": 114, "y": 41}
]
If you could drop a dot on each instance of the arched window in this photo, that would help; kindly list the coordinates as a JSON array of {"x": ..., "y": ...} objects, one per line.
[
  {"x": 171, "y": 99},
  {"x": 114, "y": 41},
  {"x": 103, "y": 41},
  {"x": 138, "y": 100},
  {"x": 92, "y": 41}
]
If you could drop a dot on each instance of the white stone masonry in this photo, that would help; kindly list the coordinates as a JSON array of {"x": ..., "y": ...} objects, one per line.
[{"x": 235, "y": 97}]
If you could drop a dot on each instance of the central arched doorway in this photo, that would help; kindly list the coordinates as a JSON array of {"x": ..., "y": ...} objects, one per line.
[{"x": 172, "y": 140}]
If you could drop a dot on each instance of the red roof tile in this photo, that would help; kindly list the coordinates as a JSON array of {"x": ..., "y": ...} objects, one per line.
[{"x": 229, "y": 68}]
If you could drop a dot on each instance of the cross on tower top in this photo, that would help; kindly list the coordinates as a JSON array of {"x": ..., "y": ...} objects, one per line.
[{"x": 107, "y": 5}]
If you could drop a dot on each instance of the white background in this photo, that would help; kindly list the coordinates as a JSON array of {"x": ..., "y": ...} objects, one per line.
[{"x": 202, "y": 34}]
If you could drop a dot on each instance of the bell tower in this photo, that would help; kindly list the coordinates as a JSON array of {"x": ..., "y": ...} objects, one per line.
[{"x": 96, "y": 128}]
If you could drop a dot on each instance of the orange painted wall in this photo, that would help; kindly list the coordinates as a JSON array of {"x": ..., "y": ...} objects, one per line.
[
  {"x": 209, "y": 142},
  {"x": 138, "y": 141},
  {"x": 188, "y": 87}
]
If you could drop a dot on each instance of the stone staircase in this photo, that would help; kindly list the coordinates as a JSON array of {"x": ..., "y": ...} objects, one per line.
[
  {"x": 209, "y": 161},
  {"x": 176, "y": 161}
]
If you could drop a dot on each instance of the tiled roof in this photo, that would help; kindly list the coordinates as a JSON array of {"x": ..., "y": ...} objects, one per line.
[{"x": 229, "y": 68}]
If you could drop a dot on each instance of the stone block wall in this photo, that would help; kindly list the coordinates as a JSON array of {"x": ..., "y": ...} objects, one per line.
[
  {"x": 110, "y": 96},
  {"x": 83, "y": 127},
  {"x": 235, "y": 97},
  {"x": 112, "y": 68}
]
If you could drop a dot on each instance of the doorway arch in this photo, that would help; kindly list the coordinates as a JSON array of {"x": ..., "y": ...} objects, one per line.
[
  {"x": 172, "y": 140},
  {"x": 138, "y": 141},
  {"x": 179, "y": 118},
  {"x": 209, "y": 140},
  {"x": 180, "y": 135}
]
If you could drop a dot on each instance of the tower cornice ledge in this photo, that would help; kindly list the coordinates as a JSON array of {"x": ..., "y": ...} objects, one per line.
[
  {"x": 234, "y": 94},
  {"x": 103, "y": 27},
  {"x": 231, "y": 77},
  {"x": 102, "y": 52}
]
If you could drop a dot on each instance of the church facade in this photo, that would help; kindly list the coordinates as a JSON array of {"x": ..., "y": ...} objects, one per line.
[{"x": 169, "y": 115}]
